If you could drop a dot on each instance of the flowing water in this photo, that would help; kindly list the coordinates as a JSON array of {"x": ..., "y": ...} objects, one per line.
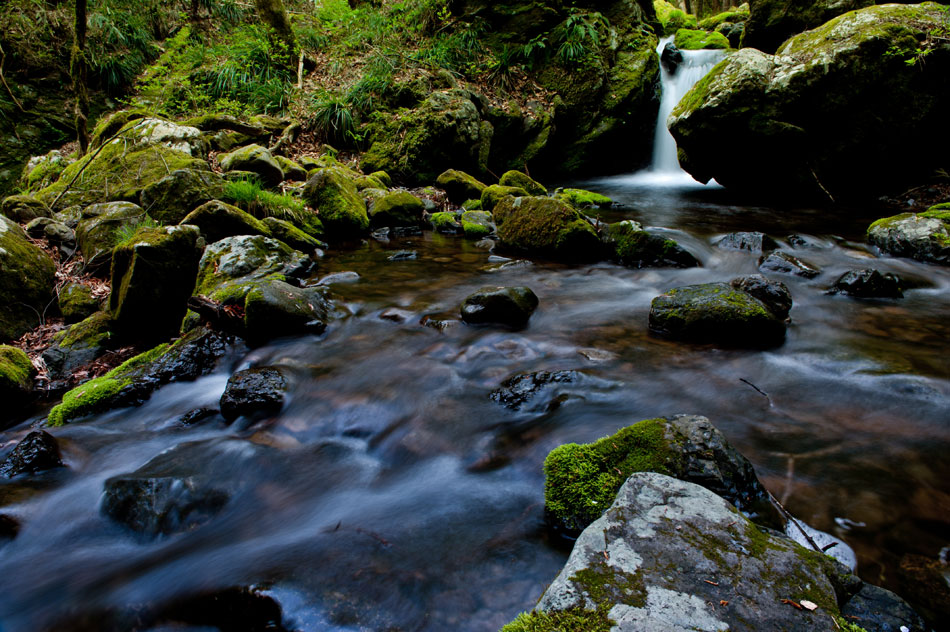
[{"x": 392, "y": 493}]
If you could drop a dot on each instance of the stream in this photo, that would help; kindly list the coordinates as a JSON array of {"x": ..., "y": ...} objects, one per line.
[{"x": 393, "y": 493}]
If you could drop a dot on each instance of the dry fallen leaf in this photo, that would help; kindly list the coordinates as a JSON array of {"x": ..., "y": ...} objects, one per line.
[{"x": 809, "y": 605}]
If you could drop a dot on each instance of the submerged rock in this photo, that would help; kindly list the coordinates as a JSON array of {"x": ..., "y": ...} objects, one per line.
[
  {"x": 519, "y": 390},
  {"x": 546, "y": 227},
  {"x": 508, "y": 306},
  {"x": 753, "y": 242},
  {"x": 37, "y": 451},
  {"x": 924, "y": 236},
  {"x": 634, "y": 247},
  {"x": 721, "y": 313},
  {"x": 582, "y": 480},
  {"x": 784, "y": 263},
  {"x": 868, "y": 284},
  {"x": 254, "y": 393},
  {"x": 26, "y": 281}
]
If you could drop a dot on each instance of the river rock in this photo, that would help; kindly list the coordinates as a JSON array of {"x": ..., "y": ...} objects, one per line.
[
  {"x": 632, "y": 246},
  {"x": 174, "y": 196},
  {"x": 284, "y": 231},
  {"x": 581, "y": 480},
  {"x": 752, "y": 123},
  {"x": 508, "y": 306},
  {"x": 547, "y": 227},
  {"x": 292, "y": 171},
  {"x": 545, "y": 391},
  {"x": 23, "y": 208},
  {"x": 98, "y": 230},
  {"x": 37, "y": 451},
  {"x": 78, "y": 345},
  {"x": 232, "y": 267},
  {"x": 217, "y": 220},
  {"x": 495, "y": 193},
  {"x": 670, "y": 555},
  {"x": 131, "y": 383},
  {"x": 671, "y": 57},
  {"x": 257, "y": 160},
  {"x": 878, "y": 609},
  {"x": 343, "y": 212},
  {"x": 922, "y": 236},
  {"x": 9, "y": 527},
  {"x": 718, "y": 313},
  {"x": 771, "y": 22},
  {"x": 255, "y": 393},
  {"x": 582, "y": 199},
  {"x": 16, "y": 378},
  {"x": 460, "y": 186},
  {"x": 274, "y": 309},
  {"x": 752, "y": 242},
  {"x": 868, "y": 284},
  {"x": 56, "y": 233},
  {"x": 477, "y": 224},
  {"x": 773, "y": 294},
  {"x": 396, "y": 209},
  {"x": 446, "y": 222},
  {"x": 783, "y": 263},
  {"x": 26, "y": 281},
  {"x": 521, "y": 180}
]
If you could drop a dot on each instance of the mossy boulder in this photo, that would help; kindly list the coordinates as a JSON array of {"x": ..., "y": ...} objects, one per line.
[
  {"x": 77, "y": 302},
  {"x": 477, "y": 224},
  {"x": 495, "y": 193},
  {"x": 690, "y": 39},
  {"x": 132, "y": 127},
  {"x": 171, "y": 198},
  {"x": 16, "y": 378},
  {"x": 255, "y": 159},
  {"x": 718, "y": 313},
  {"x": 42, "y": 171},
  {"x": 23, "y": 208},
  {"x": 446, "y": 222},
  {"x": 153, "y": 274},
  {"x": 582, "y": 199},
  {"x": 292, "y": 170},
  {"x": 274, "y": 309},
  {"x": 508, "y": 306},
  {"x": 217, "y": 220},
  {"x": 382, "y": 177},
  {"x": 922, "y": 236},
  {"x": 78, "y": 345},
  {"x": 27, "y": 275},
  {"x": 672, "y": 19},
  {"x": 850, "y": 110},
  {"x": 284, "y": 231},
  {"x": 414, "y": 145},
  {"x": 343, "y": 212},
  {"x": 522, "y": 181},
  {"x": 99, "y": 227},
  {"x": 369, "y": 182},
  {"x": 232, "y": 267},
  {"x": 632, "y": 246},
  {"x": 771, "y": 22},
  {"x": 396, "y": 209},
  {"x": 547, "y": 227}
]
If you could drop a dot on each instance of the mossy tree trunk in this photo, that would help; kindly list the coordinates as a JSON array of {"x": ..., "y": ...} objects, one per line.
[
  {"x": 79, "y": 70},
  {"x": 274, "y": 15}
]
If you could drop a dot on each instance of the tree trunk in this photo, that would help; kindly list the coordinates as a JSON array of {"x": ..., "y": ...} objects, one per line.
[
  {"x": 273, "y": 14},
  {"x": 79, "y": 69}
]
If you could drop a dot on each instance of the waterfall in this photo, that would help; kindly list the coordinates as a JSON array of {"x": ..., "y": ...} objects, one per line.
[{"x": 665, "y": 168}]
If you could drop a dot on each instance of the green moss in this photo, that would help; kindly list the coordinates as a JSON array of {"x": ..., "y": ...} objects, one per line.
[
  {"x": 397, "y": 209},
  {"x": 939, "y": 211},
  {"x": 608, "y": 586},
  {"x": 843, "y": 625},
  {"x": 689, "y": 39},
  {"x": 93, "y": 331},
  {"x": 579, "y": 198},
  {"x": 342, "y": 211},
  {"x": 493, "y": 194},
  {"x": 548, "y": 227},
  {"x": 523, "y": 181},
  {"x": 889, "y": 222},
  {"x": 671, "y": 19},
  {"x": 368, "y": 182},
  {"x": 476, "y": 224},
  {"x": 472, "y": 205},
  {"x": 581, "y": 481},
  {"x": 574, "y": 620},
  {"x": 445, "y": 222},
  {"x": 710, "y": 23},
  {"x": 16, "y": 370}
]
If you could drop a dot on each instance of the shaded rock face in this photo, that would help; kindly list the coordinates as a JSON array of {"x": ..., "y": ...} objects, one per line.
[
  {"x": 547, "y": 227},
  {"x": 836, "y": 112},
  {"x": 37, "y": 451},
  {"x": 217, "y": 220},
  {"x": 254, "y": 393},
  {"x": 77, "y": 302},
  {"x": 752, "y": 242},
  {"x": 98, "y": 229},
  {"x": 670, "y": 555},
  {"x": 342, "y": 210},
  {"x": 255, "y": 159},
  {"x": 924, "y": 236},
  {"x": 171, "y": 198},
  {"x": 581, "y": 480},
  {"x": 23, "y": 208},
  {"x": 26, "y": 281},
  {"x": 632, "y": 246},
  {"x": 508, "y": 306},
  {"x": 880, "y": 609},
  {"x": 396, "y": 209},
  {"x": 460, "y": 186},
  {"x": 78, "y": 345},
  {"x": 274, "y": 309},
  {"x": 16, "y": 378},
  {"x": 784, "y": 263},
  {"x": 868, "y": 284},
  {"x": 722, "y": 313},
  {"x": 232, "y": 267}
]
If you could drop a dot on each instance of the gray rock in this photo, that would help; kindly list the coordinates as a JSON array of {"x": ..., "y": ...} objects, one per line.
[
  {"x": 27, "y": 276},
  {"x": 753, "y": 242},
  {"x": 784, "y": 263},
  {"x": 509, "y": 306},
  {"x": 632, "y": 246},
  {"x": 174, "y": 196},
  {"x": 924, "y": 236},
  {"x": 232, "y": 267},
  {"x": 274, "y": 309},
  {"x": 23, "y": 208},
  {"x": 98, "y": 229},
  {"x": 255, "y": 159}
]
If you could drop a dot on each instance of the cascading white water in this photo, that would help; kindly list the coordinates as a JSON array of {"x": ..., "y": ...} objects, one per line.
[{"x": 665, "y": 168}]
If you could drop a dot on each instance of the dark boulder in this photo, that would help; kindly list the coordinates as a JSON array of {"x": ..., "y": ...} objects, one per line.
[
  {"x": 671, "y": 57},
  {"x": 255, "y": 393},
  {"x": 784, "y": 263},
  {"x": 508, "y": 306},
  {"x": 37, "y": 451},
  {"x": 753, "y": 242},
  {"x": 519, "y": 390},
  {"x": 274, "y": 309},
  {"x": 634, "y": 247},
  {"x": 868, "y": 284},
  {"x": 881, "y": 610},
  {"x": 774, "y": 294}
]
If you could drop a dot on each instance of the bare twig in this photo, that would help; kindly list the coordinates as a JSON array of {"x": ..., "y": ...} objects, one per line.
[
  {"x": 3, "y": 57},
  {"x": 761, "y": 392}
]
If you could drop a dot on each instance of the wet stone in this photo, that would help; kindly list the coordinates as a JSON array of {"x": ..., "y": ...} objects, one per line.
[
  {"x": 37, "y": 451},
  {"x": 784, "y": 263},
  {"x": 404, "y": 255},
  {"x": 197, "y": 416},
  {"x": 750, "y": 241},
  {"x": 255, "y": 393},
  {"x": 509, "y": 306},
  {"x": 519, "y": 390},
  {"x": 868, "y": 284}
]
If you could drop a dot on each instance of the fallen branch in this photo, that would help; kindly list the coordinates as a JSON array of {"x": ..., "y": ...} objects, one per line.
[{"x": 742, "y": 379}]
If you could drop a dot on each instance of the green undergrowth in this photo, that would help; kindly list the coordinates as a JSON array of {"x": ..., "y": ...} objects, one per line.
[
  {"x": 250, "y": 196},
  {"x": 566, "y": 621}
]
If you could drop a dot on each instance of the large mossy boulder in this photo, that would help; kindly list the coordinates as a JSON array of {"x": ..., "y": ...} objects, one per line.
[
  {"x": 217, "y": 220},
  {"x": 171, "y": 198},
  {"x": 582, "y": 480},
  {"x": 274, "y": 309},
  {"x": 492, "y": 195},
  {"x": 77, "y": 302},
  {"x": 694, "y": 39},
  {"x": 460, "y": 186},
  {"x": 99, "y": 228},
  {"x": 333, "y": 193},
  {"x": 400, "y": 208},
  {"x": 522, "y": 180},
  {"x": 27, "y": 275},
  {"x": 23, "y": 208},
  {"x": 922, "y": 236},
  {"x": 629, "y": 244},
  {"x": 852, "y": 109},
  {"x": 723, "y": 313},
  {"x": 16, "y": 378},
  {"x": 153, "y": 274},
  {"x": 546, "y": 227},
  {"x": 254, "y": 159}
]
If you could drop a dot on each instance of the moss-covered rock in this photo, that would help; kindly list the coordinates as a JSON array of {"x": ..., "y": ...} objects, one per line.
[
  {"x": 508, "y": 306},
  {"x": 369, "y": 182},
  {"x": 153, "y": 274},
  {"x": 78, "y": 345},
  {"x": 740, "y": 14},
  {"x": 171, "y": 198},
  {"x": 217, "y": 220},
  {"x": 99, "y": 228},
  {"x": 255, "y": 159},
  {"x": 771, "y": 22},
  {"x": 546, "y": 227},
  {"x": 343, "y": 212},
  {"x": 634, "y": 247},
  {"x": 286, "y": 232},
  {"x": 292, "y": 170},
  {"x": 582, "y": 199},
  {"x": 42, "y": 171},
  {"x": 477, "y": 224},
  {"x": 495, "y": 193},
  {"x": 672, "y": 19},
  {"x": 23, "y": 208},
  {"x": 459, "y": 186},
  {"x": 274, "y": 309},
  {"x": 690, "y": 39},
  {"x": 446, "y": 222},
  {"x": 26, "y": 281},
  {"x": 76, "y": 302},
  {"x": 716, "y": 312},
  {"x": 396, "y": 209},
  {"x": 922, "y": 236},
  {"x": 522, "y": 181},
  {"x": 383, "y": 177},
  {"x": 848, "y": 110},
  {"x": 16, "y": 377}
]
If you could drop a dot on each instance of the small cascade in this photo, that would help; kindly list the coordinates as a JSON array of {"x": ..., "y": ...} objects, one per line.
[{"x": 691, "y": 68}]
